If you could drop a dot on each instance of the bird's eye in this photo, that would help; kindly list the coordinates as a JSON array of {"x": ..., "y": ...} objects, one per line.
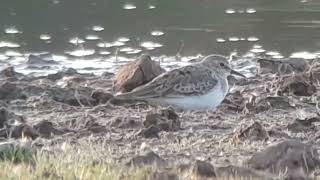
[{"x": 221, "y": 64}]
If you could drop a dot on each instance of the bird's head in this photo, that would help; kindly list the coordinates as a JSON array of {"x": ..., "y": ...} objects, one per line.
[{"x": 220, "y": 64}]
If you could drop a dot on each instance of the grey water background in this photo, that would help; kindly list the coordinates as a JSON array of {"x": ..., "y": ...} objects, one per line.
[{"x": 98, "y": 35}]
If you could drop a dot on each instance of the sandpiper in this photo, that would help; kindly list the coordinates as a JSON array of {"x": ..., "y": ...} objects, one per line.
[{"x": 200, "y": 86}]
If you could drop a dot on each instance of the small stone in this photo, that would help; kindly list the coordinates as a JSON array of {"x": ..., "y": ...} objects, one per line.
[
  {"x": 203, "y": 170},
  {"x": 95, "y": 128},
  {"x": 254, "y": 132},
  {"x": 235, "y": 101},
  {"x": 46, "y": 129},
  {"x": 279, "y": 102},
  {"x": 8, "y": 73},
  {"x": 61, "y": 74},
  {"x": 315, "y": 73},
  {"x": 149, "y": 159},
  {"x": 10, "y": 91},
  {"x": 298, "y": 85},
  {"x": 23, "y": 131},
  {"x": 294, "y": 158},
  {"x": 101, "y": 97},
  {"x": 260, "y": 104},
  {"x": 74, "y": 97},
  {"x": 107, "y": 74},
  {"x": 3, "y": 117},
  {"x": 36, "y": 60},
  {"x": 284, "y": 66},
  {"x": 136, "y": 74},
  {"x": 166, "y": 120},
  {"x": 305, "y": 125},
  {"x": 150, "y": 132},
  {"x": 125, "y": 123}
]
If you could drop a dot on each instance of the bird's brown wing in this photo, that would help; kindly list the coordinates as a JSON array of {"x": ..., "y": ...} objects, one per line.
[{"x": 188, "y": 80}]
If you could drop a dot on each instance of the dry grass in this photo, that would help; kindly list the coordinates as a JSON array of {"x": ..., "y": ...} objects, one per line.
[
  {"x": 85, "y": 162},
  {"x": 66, "y": 165}
]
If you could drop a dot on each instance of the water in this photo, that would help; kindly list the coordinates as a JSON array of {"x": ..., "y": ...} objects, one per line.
[{"x": 100, "y": 35}]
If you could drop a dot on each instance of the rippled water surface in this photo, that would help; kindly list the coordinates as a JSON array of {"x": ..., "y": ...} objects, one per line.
[{"x": 100, "y": 35}]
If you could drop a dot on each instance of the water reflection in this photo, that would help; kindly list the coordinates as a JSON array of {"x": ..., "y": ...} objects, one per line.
[
  {"x": 150, "y": 45},
  {"x": 157, "y": 33},
  {"x": 97, "y": 28},
  {"x": 305, "y": 55},
  {"x": 8, "y": 44},
  {"x": 129, "y": 6},
  {"x": 45, "y": 37},
  {"x": 92, "y": 37},
  {"x": 81, "y": 52},
  {"x": 119, "y": 31},
  {"x": 76, "y": 41},
  {"x": 123, "y": 39},
  {"x": 12, "y": 30}
]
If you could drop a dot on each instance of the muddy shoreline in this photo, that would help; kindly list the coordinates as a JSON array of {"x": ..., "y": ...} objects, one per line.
[{"x": 278, "y": 104}]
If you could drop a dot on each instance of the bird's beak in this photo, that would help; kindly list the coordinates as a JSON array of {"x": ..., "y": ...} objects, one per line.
[{"x": 237, "y": 73}]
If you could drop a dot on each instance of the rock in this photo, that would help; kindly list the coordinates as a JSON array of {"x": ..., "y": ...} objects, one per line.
[
  {"x": 166, "y": 120},
  {"x": 203, "y": 170},
  {"x": 9, "y": 73},
  {"x": 261, "y": 103},
  {"x": 257, "y": 104},
  {"x": 278, "y": 133},
  {"x": 297, "y": 160},
  {"x": 61, "y": 74},
  {"x": 253, "y": 132},
  {"x": 10, "y": 91},
  {"x": 165, "y": 175},
  {"x": 40, "y": 63},
  {"x": 283, "y": 66},
  {"x": 279, "y": 102},
  {"x": 298, "y": 85},
  {"x": 150, "y": 132},
  {"x": 305, "y": 125},
  {"x": 37, "y": 60},
  {"x": 74, "y": 97},
  {"x": 315, "y": 73},
  {"x": 107, "y": 74},
  {"x": 3, "y": 117},
  {"x": 71, "y": 81},
  {"x": 23, "y": 131},
  {"x": 101, "y": 97},
  {"x": 19, "y": 131},
  {"x": 276, "y": 102},
  {"x": 136, "y": 74},
  {"x": 46, "y": 129},
  {"x": 235, "y": 101},
  {"x": 149, "y": 159}
]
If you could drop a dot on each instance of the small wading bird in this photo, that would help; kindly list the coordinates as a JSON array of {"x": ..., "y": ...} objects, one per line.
[{"x": 200, "y": 86}]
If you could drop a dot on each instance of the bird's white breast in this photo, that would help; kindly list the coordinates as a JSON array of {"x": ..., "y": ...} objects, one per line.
[{"x": 203, "y": 102}]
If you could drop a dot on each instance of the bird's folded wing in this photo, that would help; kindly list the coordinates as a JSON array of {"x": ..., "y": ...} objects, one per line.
[{"x": 188, "y": 80}]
